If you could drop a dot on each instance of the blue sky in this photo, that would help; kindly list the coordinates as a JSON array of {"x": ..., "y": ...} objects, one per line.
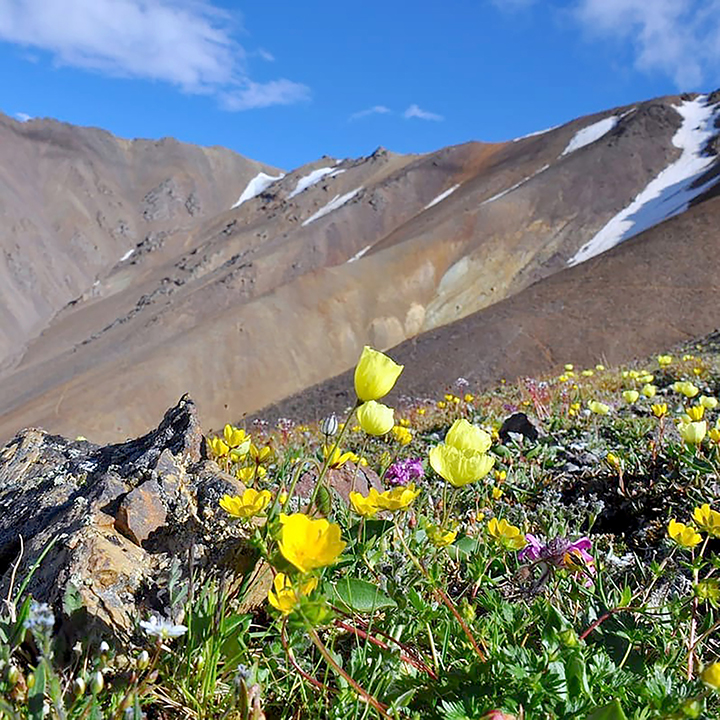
[{"x": 286, "y": 82}]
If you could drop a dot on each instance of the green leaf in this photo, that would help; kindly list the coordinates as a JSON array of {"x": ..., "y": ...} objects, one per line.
[
  {"x": 464, "y": 547},
  {"x": 362, "y": 596},
  {"x": 72, "y": 600},
  {"x": 576, "y": 676},
  {"x": 611, "y": 711},
  {"x": 36, "y": 694},
  {"x": 626, "y": 596}
]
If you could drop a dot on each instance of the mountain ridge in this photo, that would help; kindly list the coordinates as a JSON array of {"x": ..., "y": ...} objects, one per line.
[{"x": 259, "y": 301}]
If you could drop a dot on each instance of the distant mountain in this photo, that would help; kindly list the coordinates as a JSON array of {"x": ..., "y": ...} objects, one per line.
[{"x": 472, "y": 260}]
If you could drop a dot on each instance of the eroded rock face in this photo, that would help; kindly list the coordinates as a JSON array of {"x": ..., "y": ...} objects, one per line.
[{"x": 112, "y": 517}]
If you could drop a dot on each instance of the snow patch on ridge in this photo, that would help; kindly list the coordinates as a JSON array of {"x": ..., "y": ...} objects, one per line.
[
  {"x": 591, "y": 133},
  {"x": 258, "y": 184},
  {"x": 536, "y": 133},
  {"x": 309, "y": 180},
  {"x": 358, "y": 255},
  {"x": 334, "y": 204},
  {"x": 671, "y": 192},
  {"x": 515, "y": 186},
  {"x": 127, "y": 255},
  {"x": 442, "y": 196}
]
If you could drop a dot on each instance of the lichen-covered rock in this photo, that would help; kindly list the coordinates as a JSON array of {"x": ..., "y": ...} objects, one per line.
[{"x": 109, "y": 519}]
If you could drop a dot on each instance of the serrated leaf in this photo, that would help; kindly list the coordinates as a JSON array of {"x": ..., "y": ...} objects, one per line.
[
  {"x": 362, "y": 596},
  {"x": 611, "y": 711},
  {"x": 72, "y": 600}
]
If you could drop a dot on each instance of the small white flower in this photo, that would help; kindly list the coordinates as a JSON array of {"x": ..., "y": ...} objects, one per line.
[{"x": 159, "y": 627}]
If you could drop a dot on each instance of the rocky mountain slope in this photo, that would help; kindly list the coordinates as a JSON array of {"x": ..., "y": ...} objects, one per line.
[{"x": 477, "y": 251}]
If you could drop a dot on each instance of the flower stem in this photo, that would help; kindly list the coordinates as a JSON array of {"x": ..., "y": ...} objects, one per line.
[
  {"x": 444, "y": 599},
  {"x": 330, "y": 660},
  {"x": 329, "y": 458}
]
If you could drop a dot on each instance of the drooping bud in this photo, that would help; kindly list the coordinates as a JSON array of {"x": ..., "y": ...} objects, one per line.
[
  {"x": 78, "y": 686},
  {"x": 329, "y": 426}
]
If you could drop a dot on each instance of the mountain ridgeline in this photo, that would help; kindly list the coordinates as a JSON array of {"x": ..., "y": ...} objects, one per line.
[{"x": 135, "y": 271}]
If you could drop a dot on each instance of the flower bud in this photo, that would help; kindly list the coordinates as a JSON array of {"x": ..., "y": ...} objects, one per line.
[
  {"x": 143, "y": 660},
  {"x": 97, "y": 682},
  {"x": 13, "y": 674},
  {"x": 104, "y": 648},
  {"x": 78, "y": 686},
  {"x": 329, "y": 426}
]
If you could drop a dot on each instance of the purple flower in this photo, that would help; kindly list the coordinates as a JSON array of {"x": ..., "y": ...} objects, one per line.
[
  {"x": 402, "y": 472},
  {"x": 560, "y": 552}
]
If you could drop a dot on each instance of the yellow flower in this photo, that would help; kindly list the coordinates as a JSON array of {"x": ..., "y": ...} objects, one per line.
[
  {"x": 307, "y": 543},
  {"x": 709, "y": 403},
  {"x": 711, "y": 676},
  {"x": 569, "y": 366},
  {"x": 248, "y": 474},
  {"x": 218, "y": 447},
  {"x": 375, "y": 375},
  {"x": 599, "y": 367},
  {"x": 507, "y": 535},
  {"x": 497, "y": 493},
  {"x": 563, "y": 378},
  {"x": 613, "y": 460},
  {"x": 598, "y": 408},
  {"x": 646, "y": 378},
  {"x": 686, "y": 388},
  {"x": 664, "y": 360},
  {"x": 696, "y": 412},
  {"x": 402, "y": 435},
  {"x": 338, "y": 458},
  {"x": 261, "y": 455},
  {"x": 708, "y": 519},
  {"x": 684, "y": 535},
  {"x": 375, "y": 418},
  {"x": 649, "y": 391},
  {"x": 250, "y": 503},
  {"x": 464, "y": 436},
  {"x": 659, "y": 410},
  {"x": 460, "y": 467},
  {"x": 421, "y": 411},
  {"x": 715, "y": 435},
  {"x": 236, "y": 437},
  {"x": 398, "y": 498},
  {"x": 630, "y": 396},
  {"x": 365, "y": 506},
  {"x": 440, "y": 538},
  {"x": 284, "y": 597},
  {"x": 468, "y": 398},
  {"x": 587, "y": 373},
  {"x": 693, "y": 432},
  {"x": 500, "y": 475}
]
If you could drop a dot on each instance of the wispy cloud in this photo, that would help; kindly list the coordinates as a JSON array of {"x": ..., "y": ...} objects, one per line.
[
  {"x": 259, "y": 95},
  {"x": 375, "y": 110},
  {"x": 187, "y": 43},
  {"x": 680, "y": 38},
  {"x": 23, "y": 117},
  {"x": 416, "y": 112},
  {"x": 265, "y": 55}
]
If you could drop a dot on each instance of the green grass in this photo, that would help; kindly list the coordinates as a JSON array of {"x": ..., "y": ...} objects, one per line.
[{"x": 398, "y": 627}]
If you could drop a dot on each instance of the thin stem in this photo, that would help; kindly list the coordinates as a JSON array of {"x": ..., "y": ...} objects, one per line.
[
  {"x": 444, "y": 599},
  {"x": 288, "y": 651},
  {"x": 329, "y": 458},
  {"x": 330, "y": 660}
]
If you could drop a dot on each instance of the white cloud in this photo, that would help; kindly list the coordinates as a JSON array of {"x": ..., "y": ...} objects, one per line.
[
  {"x": 415, "y": 112},
  {"x": 23, "y": 117},
  {"x": 375, "y": 110},
  {"x": 265, "y": 55},
  {"x": 187, "y": 43},
  {"x": 680, "y": 38},
  {"x": 254, "y": 95}
]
